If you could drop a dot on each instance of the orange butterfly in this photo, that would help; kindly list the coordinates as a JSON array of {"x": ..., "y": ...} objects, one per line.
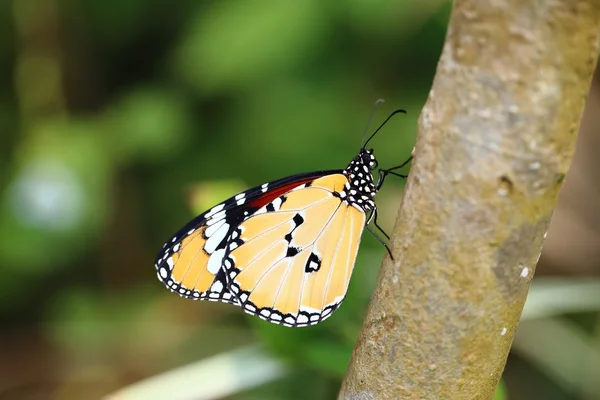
[{"x": 283, "y": 251}]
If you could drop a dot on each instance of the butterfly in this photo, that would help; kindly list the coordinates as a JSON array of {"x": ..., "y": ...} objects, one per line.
[{"x": 283, "y": 251}]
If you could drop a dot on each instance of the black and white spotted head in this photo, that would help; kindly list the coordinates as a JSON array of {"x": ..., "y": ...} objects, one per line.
[{"x": 360, "y": 189}]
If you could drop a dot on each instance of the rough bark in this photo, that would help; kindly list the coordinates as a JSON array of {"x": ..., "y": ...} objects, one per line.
[{"x": 495, "y": 141}]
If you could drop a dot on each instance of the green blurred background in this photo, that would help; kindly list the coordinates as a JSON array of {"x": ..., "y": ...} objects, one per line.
[{"x": 121, "y": 120}]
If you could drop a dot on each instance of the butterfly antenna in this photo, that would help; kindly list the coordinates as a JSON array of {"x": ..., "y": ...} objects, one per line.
[
  {"x": 381, "y": 126},
  {"x": 377, "y": 103}
]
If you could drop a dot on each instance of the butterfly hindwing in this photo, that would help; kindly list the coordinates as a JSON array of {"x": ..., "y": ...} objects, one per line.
[
  {"x": 291, "y": 261},
  {"x": 190, "y": 264}
]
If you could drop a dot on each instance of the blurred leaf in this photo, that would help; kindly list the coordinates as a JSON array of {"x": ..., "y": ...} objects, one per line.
[
  {"x": 148, "y": 124},
  {"x": 568, "y": 355},
  {"x": 212, "y": 378},
  {"x": 297, "y": 385},
  {"x": 299, "y": 126},
  {"x": 235, "y": 42},
  {"x": 550, "y": 296},
  {"x": 384, "y": 20},
  {"x": 321, "y": 347}
]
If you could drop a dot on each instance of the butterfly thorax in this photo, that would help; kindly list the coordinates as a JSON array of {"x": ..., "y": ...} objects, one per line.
[{"x": 360, "y": 189}]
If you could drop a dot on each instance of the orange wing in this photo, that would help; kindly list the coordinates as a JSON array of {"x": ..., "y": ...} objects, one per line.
[{"x": 290, "y": 263}]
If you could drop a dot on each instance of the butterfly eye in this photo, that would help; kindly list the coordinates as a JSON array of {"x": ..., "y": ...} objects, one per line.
[{"x": 373, "y": 164}]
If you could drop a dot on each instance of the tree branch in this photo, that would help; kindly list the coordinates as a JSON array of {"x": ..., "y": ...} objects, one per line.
[{"x": 495, "y": 141}]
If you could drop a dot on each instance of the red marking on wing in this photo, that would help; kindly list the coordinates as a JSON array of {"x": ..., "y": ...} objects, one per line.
[{"x": 271, "y": 195}]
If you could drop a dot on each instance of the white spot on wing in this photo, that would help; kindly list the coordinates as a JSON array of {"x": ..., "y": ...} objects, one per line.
[
  {"x": 265, "y": 313},
  {"x": 302, "y": 319},
  {"x": 216, "y": 218},
  {"x": 211, "y": 229},
  {"x": 215, "y": 261},
  {"x": 217, "y": 287},
  {"x": 214, "y": 210},
  {"x": 216, "y": 238},
  {"x": 276, "y": 203}
]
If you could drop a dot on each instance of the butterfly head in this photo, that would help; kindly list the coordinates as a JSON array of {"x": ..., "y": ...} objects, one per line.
[{"x": 368, "y": 159}]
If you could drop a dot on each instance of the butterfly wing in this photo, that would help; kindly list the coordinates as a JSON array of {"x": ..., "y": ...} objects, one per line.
[
  {"x": 290, "y": 262},
  {"x": 190, "y": 264}
]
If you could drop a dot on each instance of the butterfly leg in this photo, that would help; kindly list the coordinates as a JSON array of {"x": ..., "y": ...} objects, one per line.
[
  {"x": 381, "y": 241},
  {"x": 373, "y": 217},
  {"x": 377, "y": 225}
]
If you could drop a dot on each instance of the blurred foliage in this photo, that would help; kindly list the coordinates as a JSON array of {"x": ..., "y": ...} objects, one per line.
[{"x": 120, "y": 120}]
